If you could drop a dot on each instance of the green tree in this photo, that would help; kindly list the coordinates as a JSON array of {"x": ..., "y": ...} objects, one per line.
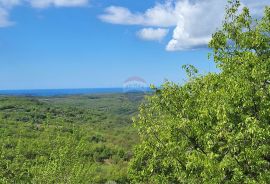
[{"x": 215, "y": 128}]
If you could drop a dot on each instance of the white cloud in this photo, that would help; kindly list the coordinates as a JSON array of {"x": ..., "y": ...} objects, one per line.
[
  {"x": 7, "y": 5},
  {"x": 4, "y": 18},
  {"x": 57, "y": 3},
  {"x": 152, "y": 34},
  {"x": 194, "y": 21},
  {"x": 162, "y": 15},
  {"x": 197, "y": 21}
]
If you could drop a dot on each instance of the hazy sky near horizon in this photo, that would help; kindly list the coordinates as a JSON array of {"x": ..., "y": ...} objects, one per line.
[{"x": 98, "y": 43}]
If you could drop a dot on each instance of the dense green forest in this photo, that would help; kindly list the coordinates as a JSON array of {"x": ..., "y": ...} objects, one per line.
[{"x": 69, "y": 139}]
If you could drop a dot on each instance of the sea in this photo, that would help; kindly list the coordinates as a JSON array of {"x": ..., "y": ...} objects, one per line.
[
  {"x": 60, "y": 92},
  {"x": 63, "y": 92}
]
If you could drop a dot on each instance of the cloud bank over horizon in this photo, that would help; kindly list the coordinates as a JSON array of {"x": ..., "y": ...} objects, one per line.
[{"x": 192, "y": 21}]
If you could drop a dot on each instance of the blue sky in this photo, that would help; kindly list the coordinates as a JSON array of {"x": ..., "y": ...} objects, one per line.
[{"x": 95, "y": 44}]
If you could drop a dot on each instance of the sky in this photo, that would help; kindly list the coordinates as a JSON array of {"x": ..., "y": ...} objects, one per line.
[{"x": 57, "y": 44}]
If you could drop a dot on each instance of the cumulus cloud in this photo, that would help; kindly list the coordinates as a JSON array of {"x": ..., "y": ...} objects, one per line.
[
  {"x": 193, "y": 21},
  {"x": 152, "y": 34},
  {"x": 197, "y": 21},
  {"x": 162, "y": 15}
]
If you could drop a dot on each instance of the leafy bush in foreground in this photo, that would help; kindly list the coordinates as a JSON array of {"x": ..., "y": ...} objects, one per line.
[{"x": 215, "y": 128}]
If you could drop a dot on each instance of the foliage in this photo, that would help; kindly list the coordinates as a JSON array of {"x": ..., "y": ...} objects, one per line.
[
  {"x": 215, "y": 128},
  {"x": 70, "y": 139}
]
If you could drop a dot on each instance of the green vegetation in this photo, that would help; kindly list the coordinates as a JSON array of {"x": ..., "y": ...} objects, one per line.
[
  {"x": 214, "y": 128},
  {"x": 72, "y": 139}
]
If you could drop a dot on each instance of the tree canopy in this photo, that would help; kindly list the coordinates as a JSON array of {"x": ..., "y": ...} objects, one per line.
[{"x": 215, "y": 128}]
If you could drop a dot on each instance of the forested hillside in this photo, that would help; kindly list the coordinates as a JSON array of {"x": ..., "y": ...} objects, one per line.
[{"x": 70, "y": 139}]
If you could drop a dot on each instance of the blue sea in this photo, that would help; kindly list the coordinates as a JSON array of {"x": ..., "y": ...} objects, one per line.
[{"x": 60, "y": 92}]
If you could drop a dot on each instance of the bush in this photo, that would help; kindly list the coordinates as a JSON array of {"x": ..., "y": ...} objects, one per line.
[{"x": 215, "y": 128}]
